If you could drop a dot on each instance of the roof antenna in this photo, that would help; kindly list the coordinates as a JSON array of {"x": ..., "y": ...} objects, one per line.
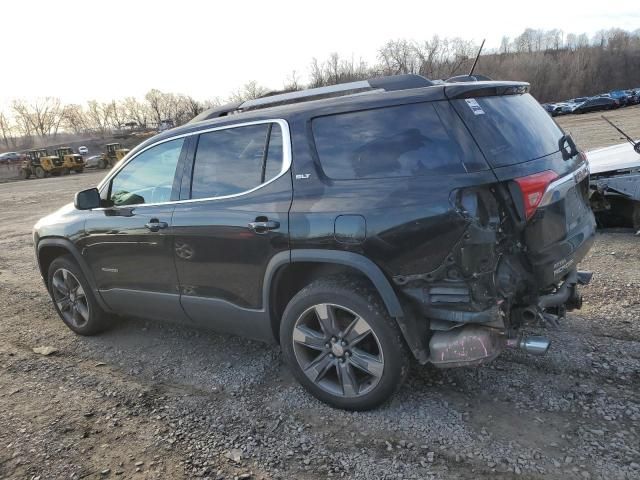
[
  {"x": 636, "y": 145},
  {"x": 475, "y": 62}
]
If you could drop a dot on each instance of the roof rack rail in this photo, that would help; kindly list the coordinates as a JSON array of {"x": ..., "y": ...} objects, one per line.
[
  {"x": 386, "y": 84},
  {"x": 215, "y": 112},
  {"x": 468, "y": 78},
  {"x": 302, "y": 95}
]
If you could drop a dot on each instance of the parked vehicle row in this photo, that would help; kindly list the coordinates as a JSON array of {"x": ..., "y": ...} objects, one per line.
[
  {"x": 604, "y": 101},
  {"x": 41, "y": 164},
  {"x": 17, "y": 157}
]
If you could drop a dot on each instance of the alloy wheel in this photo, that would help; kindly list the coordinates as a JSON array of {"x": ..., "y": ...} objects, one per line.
[
  {"x": 338, "y": 350},
  {"x": 70, "y": 298}
]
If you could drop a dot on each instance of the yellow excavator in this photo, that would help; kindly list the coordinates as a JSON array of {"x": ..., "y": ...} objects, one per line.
[
  {"x": 70, "y": 161},
  {"x": 40, "y": 164},
  {"x": 112, "y": 156}
]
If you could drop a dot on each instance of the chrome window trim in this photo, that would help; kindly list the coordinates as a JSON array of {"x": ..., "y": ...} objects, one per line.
[{"x": 286, "y": 162}]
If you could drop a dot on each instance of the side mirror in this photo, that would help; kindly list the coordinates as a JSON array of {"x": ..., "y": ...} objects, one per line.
[{"x": 87, "y": 199}]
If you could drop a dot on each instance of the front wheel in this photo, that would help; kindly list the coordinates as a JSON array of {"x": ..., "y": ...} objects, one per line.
[
  {"x": 40, "y": 172},
  {"x": 102, "y": 164},
  {"x": 73, "y": 298},
  {"x": 342, "y": 345}
]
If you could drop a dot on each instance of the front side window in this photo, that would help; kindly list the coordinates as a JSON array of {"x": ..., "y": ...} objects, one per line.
[
  {"x": 236, "y": 160},
  {"x": 148, "y": 178}
]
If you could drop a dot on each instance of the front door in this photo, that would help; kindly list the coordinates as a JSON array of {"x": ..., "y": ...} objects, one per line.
[
  {"x": 235, "y": 221},
  {"x": 129, "y": 244}
]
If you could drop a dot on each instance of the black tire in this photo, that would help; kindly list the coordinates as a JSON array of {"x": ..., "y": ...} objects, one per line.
[
  {"x": 96, "y": 319},
  {"x": 25, "y": 173},
  {"x": 349, "y": 296},
  {"x": 635, "y": 215},
  {"x": 102, "y": 164},
  {"x": 65, "y": 171},
  {"x": 40, "y": 172},
  {"x": 79, "y": 170}
]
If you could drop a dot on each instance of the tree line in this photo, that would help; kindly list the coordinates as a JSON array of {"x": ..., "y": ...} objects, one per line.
[{"x": 558, "y": 66}]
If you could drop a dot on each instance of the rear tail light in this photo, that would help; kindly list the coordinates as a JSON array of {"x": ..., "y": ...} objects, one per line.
[{"x": 533, "y": 188}]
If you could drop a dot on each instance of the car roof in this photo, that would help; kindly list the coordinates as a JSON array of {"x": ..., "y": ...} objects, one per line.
[{"x": 361, "y": 100}]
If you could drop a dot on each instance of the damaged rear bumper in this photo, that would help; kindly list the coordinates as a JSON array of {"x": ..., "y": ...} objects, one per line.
[{"x": 475, "y": 344}]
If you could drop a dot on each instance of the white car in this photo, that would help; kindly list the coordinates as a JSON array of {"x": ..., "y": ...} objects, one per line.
[
  {"x": 93, "y": 161},
  {"x": 615, "y": 185},
  {"x": 83, "y": 150}
]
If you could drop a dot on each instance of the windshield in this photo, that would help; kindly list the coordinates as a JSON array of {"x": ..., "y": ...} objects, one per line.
[{"x": 510, "y": 129}]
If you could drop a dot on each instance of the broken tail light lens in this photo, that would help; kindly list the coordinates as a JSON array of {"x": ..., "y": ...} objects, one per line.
[{"x": 533, "y": 188}]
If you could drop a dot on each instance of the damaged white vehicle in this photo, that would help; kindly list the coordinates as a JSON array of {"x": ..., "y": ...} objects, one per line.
[{"x": 615, "y": 184}]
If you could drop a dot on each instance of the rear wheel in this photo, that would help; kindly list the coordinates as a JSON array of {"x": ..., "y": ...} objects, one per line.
[
  {"x": 40, "y": 172},
  {"x": 73, "y": 298},
  {"x": 25, "y": 173},
  {"x": 102, "y": 163},
  {"x": 635, "y": 215},
  {"x": 342, "y": 345}
]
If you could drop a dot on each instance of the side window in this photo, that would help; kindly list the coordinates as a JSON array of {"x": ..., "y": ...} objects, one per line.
[
  {"x": 275, "y": 155},
  {"x": 235, "y": 160},
  {"x": 148, "y": 178},
  {"x": 405, "y": 140}
]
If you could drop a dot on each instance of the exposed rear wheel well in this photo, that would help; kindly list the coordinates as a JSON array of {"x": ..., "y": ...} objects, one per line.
[
  {"x": 293, "y": 277},
  {"x": 48, "y": 254}
]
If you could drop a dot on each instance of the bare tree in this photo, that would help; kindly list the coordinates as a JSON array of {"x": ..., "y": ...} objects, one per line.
[
  {"x": 99, "y": 116},
  {"x": 505, "y": 45},
  {"x": 293, "y": 82},
  {"x": 6, "y": 131},
  {"x": 74, "y": 119},
  {"x": 248, "y": 91},
  {"x": 137, "y": 111},
  {"x": 155, "y": 102},
  {"x": 42, "y": 117}
]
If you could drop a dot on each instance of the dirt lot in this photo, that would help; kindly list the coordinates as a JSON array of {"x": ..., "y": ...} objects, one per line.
[
  {"x": 591, "y": 131},
  {"x": 148, "y": 400}
]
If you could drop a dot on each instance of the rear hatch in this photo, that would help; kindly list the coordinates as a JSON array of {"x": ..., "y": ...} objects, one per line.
[{"x": 547, "y": 178}]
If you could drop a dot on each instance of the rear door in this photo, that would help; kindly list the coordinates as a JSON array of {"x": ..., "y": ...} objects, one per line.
[
  {"x": 234, "y": 221},
  {"x": 546, "y": 175}
]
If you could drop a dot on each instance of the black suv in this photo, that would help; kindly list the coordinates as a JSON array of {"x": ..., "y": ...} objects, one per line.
[{"x": 360, "y": 226}]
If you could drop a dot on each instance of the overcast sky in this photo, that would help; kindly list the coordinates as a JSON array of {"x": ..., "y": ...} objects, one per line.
[{"x": 105, "y": 49}]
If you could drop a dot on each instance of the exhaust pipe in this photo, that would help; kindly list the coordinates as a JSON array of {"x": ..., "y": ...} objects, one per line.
[
  {"x": 534, "y": 345},
  {"x": 474, "y": 345}
]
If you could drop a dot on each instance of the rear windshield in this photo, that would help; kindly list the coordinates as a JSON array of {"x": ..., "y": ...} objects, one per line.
[
  {"x": 510, "y": 129},
  {"x": 397, "y": 141}
]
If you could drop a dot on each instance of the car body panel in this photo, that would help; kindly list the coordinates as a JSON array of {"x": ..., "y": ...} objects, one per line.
[{"x": 616, "y": 157}]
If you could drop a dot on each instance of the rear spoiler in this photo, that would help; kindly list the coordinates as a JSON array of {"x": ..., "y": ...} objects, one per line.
[{"x": 484, "y": 89}]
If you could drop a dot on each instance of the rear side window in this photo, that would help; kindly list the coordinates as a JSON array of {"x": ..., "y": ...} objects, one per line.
[
  {"x": 398, "y": 141},
  {"x": 510, "y": 129},
  {"x": 235, "y": 160}
]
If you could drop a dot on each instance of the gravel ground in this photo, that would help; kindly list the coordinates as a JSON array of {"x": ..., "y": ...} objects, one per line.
[{"x": 148, "y": 400}]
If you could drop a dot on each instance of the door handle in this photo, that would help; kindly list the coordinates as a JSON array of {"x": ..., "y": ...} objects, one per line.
[
  {"x": 154, "y": 225},
  {"x": 264, "y": 226}
]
